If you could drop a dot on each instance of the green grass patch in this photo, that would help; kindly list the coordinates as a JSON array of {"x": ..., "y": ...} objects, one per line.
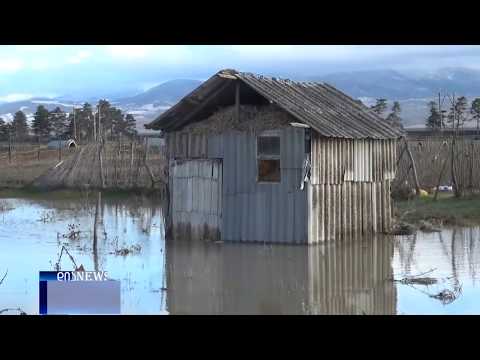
[{"x": 447, "y": 210}]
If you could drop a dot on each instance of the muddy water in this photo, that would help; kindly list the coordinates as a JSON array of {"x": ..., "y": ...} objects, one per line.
[
  {"x": 31, "y": 238},
  {"x": 181, "y": 277}
]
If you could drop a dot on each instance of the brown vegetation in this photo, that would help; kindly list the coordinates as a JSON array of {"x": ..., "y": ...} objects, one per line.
[
  {"x": 250, "y": 118},
  {"x": 115, "y": 165},
  {"x": 21, "y": 165},
  {"x": 433, "y": 160}
]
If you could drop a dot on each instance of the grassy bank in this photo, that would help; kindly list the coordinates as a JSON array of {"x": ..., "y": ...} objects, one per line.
[
  {"x": 68, "y": 194},
  {"x": 447, "y": 210}
]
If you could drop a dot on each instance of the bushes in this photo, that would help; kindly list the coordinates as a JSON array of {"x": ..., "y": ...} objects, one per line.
[{"x": 402, "y": 192}]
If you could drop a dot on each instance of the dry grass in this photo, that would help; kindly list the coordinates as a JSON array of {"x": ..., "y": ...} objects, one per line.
[
  {"x": 433, "y": 155},
  {"x": 27, "y": 166},
  {"x": 123, "y": 168},
  {"x": 252, "y": 118}
]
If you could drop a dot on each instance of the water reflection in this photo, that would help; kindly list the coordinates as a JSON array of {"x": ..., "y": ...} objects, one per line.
[
  {"x": 342, "y": 278},
  {"x": 29, "y": 244},
  {"x": 182, "y": 277},
  {"x": 454, "y": 256}
]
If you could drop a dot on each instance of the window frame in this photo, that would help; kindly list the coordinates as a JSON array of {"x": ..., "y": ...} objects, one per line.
[{"x": 268, "y": 133}]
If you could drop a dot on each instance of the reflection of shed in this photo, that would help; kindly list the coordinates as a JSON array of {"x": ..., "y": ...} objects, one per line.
[
  {"x": 270, "y": 160},
  {"x": 345, "y": 277},
  {"x": 55, "y": 144}
]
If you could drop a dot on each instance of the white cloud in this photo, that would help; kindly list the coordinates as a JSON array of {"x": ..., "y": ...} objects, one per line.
[
  {"x": 129, "y": 51},
  {"x": 290, "y": 52},
  {"x": 346, "y": 52},
  {"x": 163, "y": 54},
  {"x": 36, "y": 48},
  {"x": 15, "y": 97},
  {"x": 79, "y": 57},
  {"x": 39, "y": 63},
  {"x": 10, "y": 65}
]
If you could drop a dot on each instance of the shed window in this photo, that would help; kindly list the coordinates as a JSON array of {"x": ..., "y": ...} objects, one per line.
[{"x": 268, "y": 158}]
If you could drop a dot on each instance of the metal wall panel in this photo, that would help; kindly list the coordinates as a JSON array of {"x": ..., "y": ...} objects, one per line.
[
  {"x": 338, "y": 160},
  {"x": 196, "y": 188},
  {"x": 353, "y": 209},
  {"x": 348, "y": 195},
  {"x": 256, "y": 212}
]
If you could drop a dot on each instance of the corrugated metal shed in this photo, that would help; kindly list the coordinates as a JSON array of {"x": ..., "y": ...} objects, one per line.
[
  {"x": 321, "y": 106},
  {"x": 55, "y": 144}
]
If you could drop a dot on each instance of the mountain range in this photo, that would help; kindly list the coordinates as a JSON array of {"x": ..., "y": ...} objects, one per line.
[{"x": 413, "y": 93}]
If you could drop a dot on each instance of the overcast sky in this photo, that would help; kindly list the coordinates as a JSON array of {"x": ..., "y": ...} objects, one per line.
[{"x": 41, "y": 70}]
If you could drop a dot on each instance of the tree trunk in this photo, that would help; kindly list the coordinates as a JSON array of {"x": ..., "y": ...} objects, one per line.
[
  {"x": 100, "y": 147},
  {"x": 95, "y": 226}
]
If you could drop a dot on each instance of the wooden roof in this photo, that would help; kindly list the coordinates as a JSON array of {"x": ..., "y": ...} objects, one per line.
[{"x": 321, "y": 106}]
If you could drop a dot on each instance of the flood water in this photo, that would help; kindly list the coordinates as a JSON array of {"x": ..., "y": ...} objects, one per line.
[{"x": 182, "y": 277}]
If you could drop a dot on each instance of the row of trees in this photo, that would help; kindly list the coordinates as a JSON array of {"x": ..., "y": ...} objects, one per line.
[
  {"x": 393, "y": 118},
  {"x": 458, "y": 113},
  {"x": 82, "y": 123}
]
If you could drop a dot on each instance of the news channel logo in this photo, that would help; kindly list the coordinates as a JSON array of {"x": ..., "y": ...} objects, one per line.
[{"x": 78, "y": 293}]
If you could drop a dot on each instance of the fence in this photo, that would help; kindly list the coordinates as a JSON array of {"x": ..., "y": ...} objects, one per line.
[
  {"x": 113, "y": 165},
  {"x": 433, "y": 161},
  {"x": 29, "y": 153}
]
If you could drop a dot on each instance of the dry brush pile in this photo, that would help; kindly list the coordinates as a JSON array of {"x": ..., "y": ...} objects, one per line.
[
  {"x": 113, "y": 165},
  {"x": 251, "y": 118}
]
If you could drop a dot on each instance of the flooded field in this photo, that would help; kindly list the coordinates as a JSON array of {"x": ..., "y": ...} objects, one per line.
[
  {"x": 33, "y": 231},
  {"x": 429, "y": 273}
]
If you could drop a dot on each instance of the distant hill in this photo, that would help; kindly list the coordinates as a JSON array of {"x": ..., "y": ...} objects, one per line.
[
  {"x": 388, "y": 84},
  {"x": 151, "y": 103},
  {"x": 166, "y": 94},
  {"x": 8, "y": 109},
  {"x": 413, "y": 93}
]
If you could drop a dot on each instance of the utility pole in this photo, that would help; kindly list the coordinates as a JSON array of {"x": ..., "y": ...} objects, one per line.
[
  {"x": 94, "y": 129},
  {"x": 9, "y": 146},
  {"x": 99, "y": 124},
  {"x": 440, "y": 112},
  {"x": 74, "y": 125}
]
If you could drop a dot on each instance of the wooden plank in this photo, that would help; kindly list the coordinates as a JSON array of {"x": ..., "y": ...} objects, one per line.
[
  {"x": 373, "y": 192},
  {"x": 344, "y": 198},
  {"x": 333, "y": 211},
  {"x": 364, "y": 209},
  {"x": 326, "y": 194}
]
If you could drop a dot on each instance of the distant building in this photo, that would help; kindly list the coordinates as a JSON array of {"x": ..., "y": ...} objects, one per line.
[
  {"x": 55, "y": 144},
  {"x": 267, "y": 160}
]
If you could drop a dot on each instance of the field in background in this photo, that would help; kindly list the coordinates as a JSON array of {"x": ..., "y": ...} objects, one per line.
[
  {"x": 25, "y": 162},
  {"x": 116, "y": 165},
  {"x": 432, "y": 158}
]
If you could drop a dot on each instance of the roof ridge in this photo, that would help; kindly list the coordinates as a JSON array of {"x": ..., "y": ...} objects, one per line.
[
  {"x": 277, "y": 78},
  {"x": 325, "y": 108}
]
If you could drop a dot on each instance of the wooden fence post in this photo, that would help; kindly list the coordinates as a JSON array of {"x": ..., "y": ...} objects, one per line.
[
  {"x": 9, "y": 148},
  {"x": 414, "y": 168}
]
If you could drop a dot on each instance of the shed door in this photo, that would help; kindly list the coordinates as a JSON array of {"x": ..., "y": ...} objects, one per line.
[{"x": 197, "y": 198}]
